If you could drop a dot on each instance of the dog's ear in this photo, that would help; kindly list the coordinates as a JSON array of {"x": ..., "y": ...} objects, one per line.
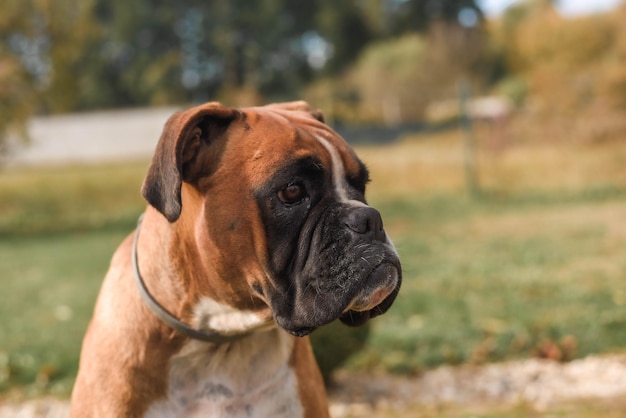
[
  {"x": 301, "y": 106},
  {"x": 186, "y": 136}
]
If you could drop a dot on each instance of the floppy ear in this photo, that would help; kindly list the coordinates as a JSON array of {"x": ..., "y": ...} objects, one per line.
[
  {"x": 301, "y": 106},
  {"x": 185, "y": 137}
]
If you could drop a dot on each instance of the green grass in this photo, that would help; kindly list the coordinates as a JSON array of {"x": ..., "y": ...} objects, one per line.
[
  {"x": 488, "y": 279},
  {"x": 35, "y": 201},
  {"x": 59, "y": 227},
  {"x": 491, "y": 280},
  {"x": 49, "y": 287}
]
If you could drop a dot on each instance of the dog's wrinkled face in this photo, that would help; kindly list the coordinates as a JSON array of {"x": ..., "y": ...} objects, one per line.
[
  {"x": 302, "y": 188},
  {"x": 329, "y": 254}
]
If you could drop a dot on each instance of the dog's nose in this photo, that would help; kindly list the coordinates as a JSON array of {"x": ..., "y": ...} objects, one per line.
[{"x": 366, "y": 221}]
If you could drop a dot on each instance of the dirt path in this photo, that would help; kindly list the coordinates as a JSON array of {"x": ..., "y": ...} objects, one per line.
[{"x": 538, "y": 384}]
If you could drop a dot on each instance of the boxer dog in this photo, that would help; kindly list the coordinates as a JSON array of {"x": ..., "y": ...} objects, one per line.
[{"x": 257, "y": 233}]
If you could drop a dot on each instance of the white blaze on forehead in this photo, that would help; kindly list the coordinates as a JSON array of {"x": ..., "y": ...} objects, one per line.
[{"x": 338, "y": 173}]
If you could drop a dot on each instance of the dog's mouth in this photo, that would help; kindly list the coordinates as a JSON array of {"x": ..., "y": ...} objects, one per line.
[
  {"x": 369, "y": 304},
  {"x": 365, "y": 299},
  {"x": 377, "y": 295}
]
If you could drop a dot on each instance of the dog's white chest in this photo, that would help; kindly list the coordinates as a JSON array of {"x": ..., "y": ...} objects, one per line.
[{"x": 248, "y": 378}]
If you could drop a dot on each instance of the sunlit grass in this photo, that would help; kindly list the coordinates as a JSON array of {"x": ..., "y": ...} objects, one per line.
[
  {"x": 49, "y": 284},
  {"x": 429, "y": 163},
  {"x": 49, "y": 199},
  {"x": 495, "y": 281}
]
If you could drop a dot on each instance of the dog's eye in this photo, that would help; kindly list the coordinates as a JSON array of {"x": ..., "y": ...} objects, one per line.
[{"x": 293, "y": 193}]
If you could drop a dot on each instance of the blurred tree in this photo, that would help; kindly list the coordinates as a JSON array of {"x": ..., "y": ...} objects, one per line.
[
  {"x": 556, "y": 55},
  {"x": 612, "y": 84},
  {"x": 401, "y": 16},
  {"x": 153, "y": 52},
  {"x": 41, "y": 45},
  {"x": 16, "y": 99},
  {"x": 346, "y": 27},
  {"x": 16, "y": 93},
  {"x": 136, "y": 59},
  {"x": 257, "y": 47},
  {"x": 396, "y": 79},
  {"x": 107, "y": 53},
  {"x": 267, "y": 48},
  {"x": 569, "y": 70},
  {"x": 388, "y": 79}
]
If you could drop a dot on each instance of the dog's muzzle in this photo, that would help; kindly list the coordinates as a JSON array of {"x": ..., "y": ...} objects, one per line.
[{"x": 350, "y": 272}]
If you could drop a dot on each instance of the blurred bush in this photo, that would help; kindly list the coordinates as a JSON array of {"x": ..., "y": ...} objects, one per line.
[
  {"x": 568, "y": 72},
  {"x": 389, "y": 81},
  {"x": 394, "y": 80},
  {"x": 334, "y": 343}
]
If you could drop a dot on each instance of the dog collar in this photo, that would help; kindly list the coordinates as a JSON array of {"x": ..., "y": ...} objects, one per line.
[{"x": 171, "y": 320}]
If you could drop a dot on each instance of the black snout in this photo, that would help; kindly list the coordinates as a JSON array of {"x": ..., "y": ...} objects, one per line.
[{"x": 366, "y": 221}]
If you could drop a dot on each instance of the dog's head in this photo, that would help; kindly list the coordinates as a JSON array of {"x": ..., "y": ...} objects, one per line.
[{"x": 277, "y": 200}]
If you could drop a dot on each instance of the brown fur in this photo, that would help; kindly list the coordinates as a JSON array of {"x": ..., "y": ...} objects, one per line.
[
  {"x": 125, "y": 354},
  {"x": 127, "y": 359},
  {"x": 309, "y": 379}
]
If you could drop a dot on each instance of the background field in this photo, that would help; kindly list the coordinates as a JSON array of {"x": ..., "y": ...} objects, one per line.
[{"x": 532, "y": 266}]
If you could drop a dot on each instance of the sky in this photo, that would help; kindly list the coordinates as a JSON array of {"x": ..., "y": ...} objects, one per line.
[{"x": 566, "y": 7}]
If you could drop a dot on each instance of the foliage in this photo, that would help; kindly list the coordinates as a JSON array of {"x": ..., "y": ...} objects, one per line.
[
  {"x": 135, "y": 58},
  {"x": 390, "y": 80},
  {"x": 16, "y": 99},
  {"x": 48, "y": 40},
  {"x": 60, "y": 56},
  {"x": 568, "y": 72},
  {"x": 612, "y": 84},
  {"x": 417, "y": 15},
  {"x": 395, "y": 79},
  {"x": 557, "y": 55},
  {"x": 42, "y": 44},
  {"x": 335, "y": 343}
]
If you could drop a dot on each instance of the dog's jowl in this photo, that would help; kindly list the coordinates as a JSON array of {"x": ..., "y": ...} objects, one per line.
[{"x": 257, "y": 233}]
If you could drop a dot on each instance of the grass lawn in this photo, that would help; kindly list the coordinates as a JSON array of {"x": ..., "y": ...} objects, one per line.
[
  {"x": 495, "y": 280},
  {"x": 49, "y": 287},
  {"x": 535, "y": 266}
]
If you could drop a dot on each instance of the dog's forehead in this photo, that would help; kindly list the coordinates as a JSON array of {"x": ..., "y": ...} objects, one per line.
[{"x": 275, "y": 136}]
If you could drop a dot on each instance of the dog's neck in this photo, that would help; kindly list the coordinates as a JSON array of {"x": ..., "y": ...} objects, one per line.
[
  {"x": 248, "y": 376},
  {"x": 187, "y": 293}
]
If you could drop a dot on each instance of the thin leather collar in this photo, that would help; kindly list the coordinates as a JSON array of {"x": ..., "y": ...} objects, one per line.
[{"x": 168, "y": 318}]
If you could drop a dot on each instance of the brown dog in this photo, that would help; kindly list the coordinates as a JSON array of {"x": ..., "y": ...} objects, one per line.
[{"x": 257, "y": 233}]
